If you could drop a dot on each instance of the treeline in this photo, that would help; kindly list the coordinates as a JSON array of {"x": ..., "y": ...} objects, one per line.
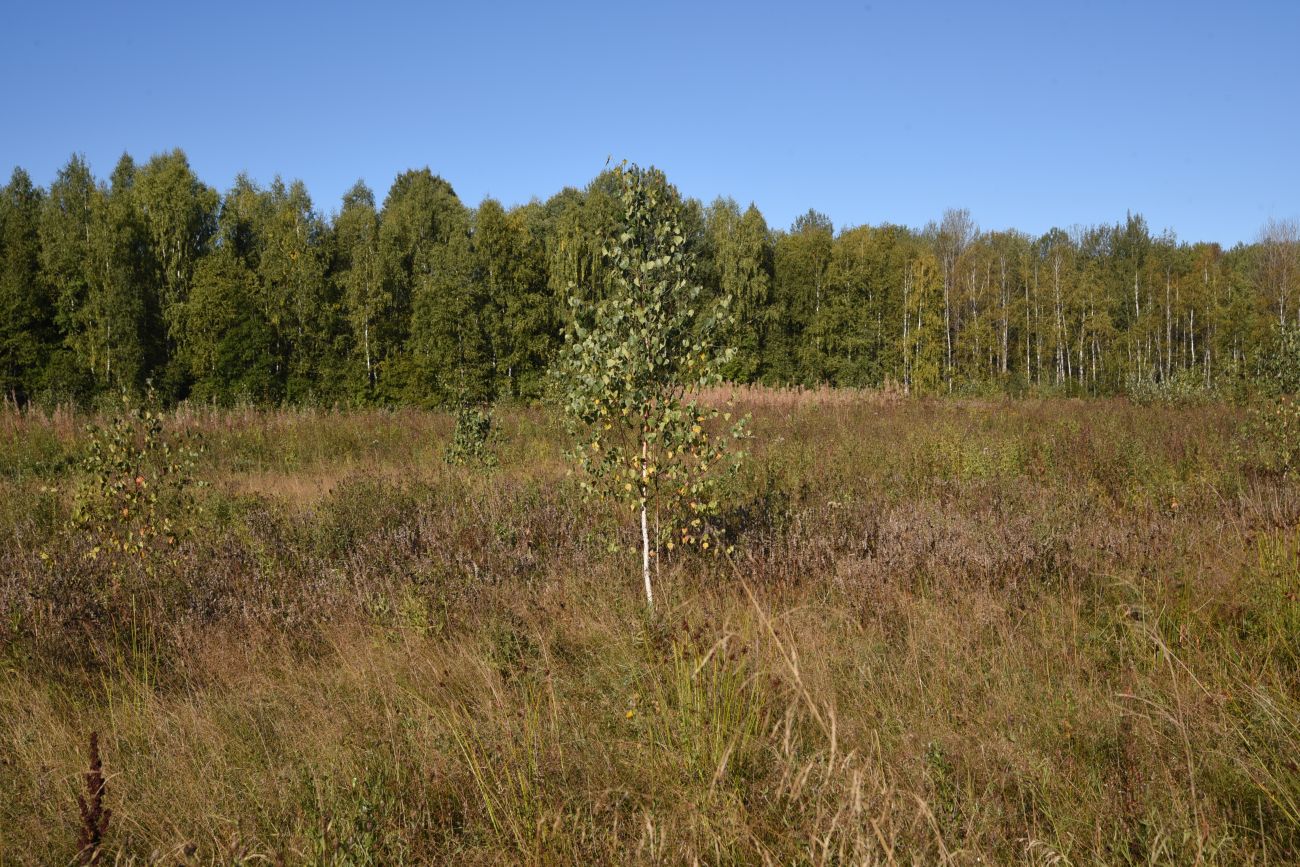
[{"x": 154, "y": 276}]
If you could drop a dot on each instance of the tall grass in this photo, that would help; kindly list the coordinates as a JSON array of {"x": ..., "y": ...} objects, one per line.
[{"x": 1040, "y": 632}]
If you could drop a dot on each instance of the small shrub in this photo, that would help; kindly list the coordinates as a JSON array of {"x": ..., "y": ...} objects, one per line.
[
  {"x": 1270, "y": 440},
  {"x": 1185, "y": 387},
  {"x": 1278, "y": 370},
  {"x": 471, "y": 441},
  {"x": 137, "y": 486}
]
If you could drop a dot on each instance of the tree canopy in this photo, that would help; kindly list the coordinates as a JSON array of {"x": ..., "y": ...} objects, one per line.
[{"x": 258, "y": 295}]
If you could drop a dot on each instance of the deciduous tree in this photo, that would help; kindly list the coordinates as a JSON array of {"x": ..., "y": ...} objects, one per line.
[{"x": 634, "y": 361}]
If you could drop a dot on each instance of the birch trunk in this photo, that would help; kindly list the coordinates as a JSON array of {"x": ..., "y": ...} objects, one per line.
[{"x": 645, "y": 526}]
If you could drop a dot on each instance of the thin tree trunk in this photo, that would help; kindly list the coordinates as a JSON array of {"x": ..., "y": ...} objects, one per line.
[
  {"x": 947, "y": 323},
  {"x": 645, "y": 527},
  {"x": 1004, "y": 298},
  {"x": 1169, "y": 332},
  {"x": 370, "y": 377},
  {"x": 645, "y": 556},
  {"x": 1028, "y": 330},
  {"x": 907, "y": 370}
]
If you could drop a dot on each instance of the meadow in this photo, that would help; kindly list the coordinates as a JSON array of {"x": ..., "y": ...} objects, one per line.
[{"x": 950, "y": 632}]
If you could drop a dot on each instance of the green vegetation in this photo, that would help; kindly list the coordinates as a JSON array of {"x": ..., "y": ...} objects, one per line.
[
  {"x": 255, "y": 296},
  {"x": 905, "y": 630},
  {"x": 952, "y": 632},
  {"x": 472, "y": 438},
  {"x": 634, "y": 364}
]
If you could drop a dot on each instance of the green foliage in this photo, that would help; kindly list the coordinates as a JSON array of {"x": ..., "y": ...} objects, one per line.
[
  {"x": 292, "y": 289},
  {"x": 576, "y": 224},
  {"x": 1279, "y": 364},
  {"x": 796, "y": 353},
  {"x": 450, "y": 343},
  {"x": 858, "y": 316},
  {"x": 420, "y": 215},
  {"x": 521, "y": 317},
  {"x": 119, "y": 326},
  {"x": 137, "y": 486},
  {"x": 64, "y": 241},
  {"x": 471, "y": 440},
  {"x": 633, "y": 364},
  {"x": 922, "y": 338},
  {"x": 26, "y": 312},
  {"x": 1184, "y": 387},
  {"x": 1271, "y": 436},
  {"x": 359, "y": 272},
  {"x": 179, "y": 214},
  {"x": 1270, "y": 440},
  {"x": 741, "y": 249},
  {"x": 227, "y": 341},
  {"x": 256, "y": 295}
]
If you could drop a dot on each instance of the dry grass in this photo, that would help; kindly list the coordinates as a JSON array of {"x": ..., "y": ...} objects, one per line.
[
  {"x": 766, "y": 399},
  {"x": 952, "y": 633}
]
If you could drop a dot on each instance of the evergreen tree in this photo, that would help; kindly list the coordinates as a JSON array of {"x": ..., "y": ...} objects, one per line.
[
  {"x": 228, "y": 342},
  {"x": 64, "y": 233},
  {"x": 27, "y": 333}
]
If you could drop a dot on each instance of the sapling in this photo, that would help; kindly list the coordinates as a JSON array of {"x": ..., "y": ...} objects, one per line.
[
  {"x": 636, "y": 357},
  {"x": 136, "y": 494},
  {"x": 471, "y": 441}
]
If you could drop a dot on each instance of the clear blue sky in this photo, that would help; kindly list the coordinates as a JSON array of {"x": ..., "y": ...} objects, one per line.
[{"x": 1029, "y": 114}]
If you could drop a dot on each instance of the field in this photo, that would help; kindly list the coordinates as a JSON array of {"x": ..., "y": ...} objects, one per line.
[{"x": 951, "y": 632}]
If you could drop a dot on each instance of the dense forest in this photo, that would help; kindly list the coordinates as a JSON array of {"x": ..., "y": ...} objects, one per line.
[{"x": 254, "y": 295}]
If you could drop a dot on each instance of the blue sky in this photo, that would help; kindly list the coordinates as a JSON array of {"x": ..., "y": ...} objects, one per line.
[{"x": 1029, "y": 114}]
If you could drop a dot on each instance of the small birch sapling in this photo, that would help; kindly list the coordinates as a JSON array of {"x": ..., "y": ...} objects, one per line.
[{"x": 635, "y": 360}]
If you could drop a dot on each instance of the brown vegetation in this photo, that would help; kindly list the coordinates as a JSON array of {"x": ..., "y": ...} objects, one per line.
[{"x": 1039, "y": 632}]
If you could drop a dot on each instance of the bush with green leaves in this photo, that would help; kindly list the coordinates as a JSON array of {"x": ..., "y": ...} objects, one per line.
[
  {"x": 1270, "y": 440},
  {"x": 1278, "y": 367},
  {"x": 136, "y": 490},
  {"x": 1184, "y": 387},
  {"x": 471, "y": 440},
  {"x": 637, "y": 354}
]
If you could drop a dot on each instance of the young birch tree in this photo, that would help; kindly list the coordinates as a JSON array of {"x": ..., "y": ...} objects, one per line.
[{"x": 636, "y": 356}]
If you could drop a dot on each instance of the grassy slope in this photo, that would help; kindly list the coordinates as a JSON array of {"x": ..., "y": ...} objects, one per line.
[{"x": 1034, "y": 632}]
